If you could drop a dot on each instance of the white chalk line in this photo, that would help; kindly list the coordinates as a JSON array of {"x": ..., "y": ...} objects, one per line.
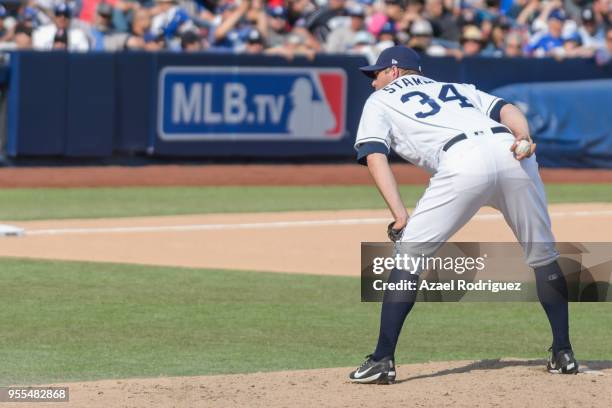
[{"x": 271, "y": 224}]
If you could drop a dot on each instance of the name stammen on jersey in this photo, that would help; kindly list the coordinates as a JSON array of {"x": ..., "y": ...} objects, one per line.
[{"x": 405, "y": 81}]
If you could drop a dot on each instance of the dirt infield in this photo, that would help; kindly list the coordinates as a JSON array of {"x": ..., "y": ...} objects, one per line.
[
  {"x": 276, "y": 242},
  {"x": 225, "y": 175},
  {"x": 488, "y": 383}
]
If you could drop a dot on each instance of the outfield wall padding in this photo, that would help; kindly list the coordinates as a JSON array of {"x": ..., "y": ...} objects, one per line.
[{"x": 100, "y": 105}]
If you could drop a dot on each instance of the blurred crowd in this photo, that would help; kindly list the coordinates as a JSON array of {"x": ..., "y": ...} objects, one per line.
[{"x": 493, "y": 28}]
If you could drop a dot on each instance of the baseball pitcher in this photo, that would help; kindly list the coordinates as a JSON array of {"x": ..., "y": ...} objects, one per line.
[{"x": 478, "y": 149}]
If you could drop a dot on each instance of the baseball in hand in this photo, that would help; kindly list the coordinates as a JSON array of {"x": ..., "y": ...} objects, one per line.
[{"x": 522, "y": 147}]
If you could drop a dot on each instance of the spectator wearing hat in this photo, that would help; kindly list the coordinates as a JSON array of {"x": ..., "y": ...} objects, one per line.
[
  {"x": 545, "y": 10},
  {"x": 444, "y": 24},
  {"x": 422, "y": 41},
  {"x": 60, "y": 34},
  {"x": 547, "y": 43},
  {"x": 387, "y": 36},
  {"x": 472, "y": 41},
  {"x": 572, "y": 47},
  {"x": 591, "y": 33},
  {"x": 277, "y": 26},
  {"x": 102, "y": 27},
  {"x": 341, "y": 39},
  {"x": 254, "y": 43}
]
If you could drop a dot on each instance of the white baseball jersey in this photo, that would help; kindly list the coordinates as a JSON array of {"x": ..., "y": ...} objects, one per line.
[{"x": 416, "y": 116}]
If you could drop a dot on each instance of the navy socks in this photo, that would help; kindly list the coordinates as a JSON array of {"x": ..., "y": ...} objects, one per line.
[
  {"x": 395, "y": 308},
  {"x": 551, "y": 288},
  {"x": 552, "y": 292}
]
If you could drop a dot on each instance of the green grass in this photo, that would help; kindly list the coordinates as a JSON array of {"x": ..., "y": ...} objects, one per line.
[
  {"x": 32, "y": 204},
  {"x": 63, "y": 321}
]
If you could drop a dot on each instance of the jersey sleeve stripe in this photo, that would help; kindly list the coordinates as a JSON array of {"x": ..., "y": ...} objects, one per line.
[
  {"x": 491, "y": 105},
  {"x": 496, "y": 111},
  {"x": 369, "y": 148},
  {"x": 360, "y": 142}
]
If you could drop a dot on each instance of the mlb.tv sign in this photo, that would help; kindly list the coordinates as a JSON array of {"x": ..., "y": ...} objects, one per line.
[{"x": 251, "y": 103}]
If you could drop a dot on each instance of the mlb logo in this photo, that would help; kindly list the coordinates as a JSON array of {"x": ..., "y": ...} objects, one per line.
[{"x": 251, "y": 103}]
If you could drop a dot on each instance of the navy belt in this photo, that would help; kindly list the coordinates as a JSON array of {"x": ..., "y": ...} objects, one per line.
[{"x": 463, "y": 136}]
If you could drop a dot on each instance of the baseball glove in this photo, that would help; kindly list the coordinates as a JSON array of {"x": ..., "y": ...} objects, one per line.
[{"x": 393, "y": 234}]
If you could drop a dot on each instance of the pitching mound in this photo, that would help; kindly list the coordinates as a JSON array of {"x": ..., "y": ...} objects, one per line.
[{"x": 490, "y": 383}]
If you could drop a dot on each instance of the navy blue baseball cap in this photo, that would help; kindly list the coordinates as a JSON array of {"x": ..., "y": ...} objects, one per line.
[
  {"x": 62, "y": 9},
  {"x": 399, "y": 56},
  {"x": 278, "y": 12}
]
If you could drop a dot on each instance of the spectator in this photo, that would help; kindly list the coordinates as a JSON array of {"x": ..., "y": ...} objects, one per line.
[
  {"x": 544, "y": 44},
  {"x": 603, "y": 12},
  {"x": 499, "y": 33},
  {"x": 134, "y": 39},
  {"x": 604, "y": 54},
  {"x": 444, "y": 24},
  {"x": 412, "y": 12},
  {"x": 297, "y": 10},
  {"x": 5, "y": 34},
  {"x": 422, "y": 41},
  {"x": 363, "y": 44},
  {"x": 191, "y": 42},
  {"x": 29, "y": 17},
  {"x": 572, "y": 47},
  {"x": 341, "y": 39},
  {"x": 513, "y": 46},
  {"x": 389, "y": 18},
  {"x": 170, "y": 21},
  {"x": 154, "y": 42},
  {"x": 295, "y": 46},
  {"x": 254, "y": 42},
  {"x": 325, "y": 19},
  {"x": 102, "y": 27},
  {"x": 591, "y": 33},
  {"x": 60, "y": 34},
  {"x": 228, "y": 35},
  {"x": 300, "y": 27},
  {"x": 23, "y": 37},
  {"x": 277, "y": 26},
  {"x": 388, "y": 34},
  {"x": 471, "y": 41}
]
